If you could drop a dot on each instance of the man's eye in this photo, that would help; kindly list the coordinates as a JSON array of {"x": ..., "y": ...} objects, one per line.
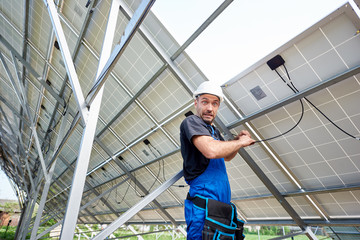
[
  {"x": 204, "y": 102},
  {"x": 215, "y": 104}
]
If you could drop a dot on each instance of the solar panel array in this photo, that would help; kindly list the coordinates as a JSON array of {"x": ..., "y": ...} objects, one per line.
[
  {"x": 315, "y": 167},
  {"x": 316, "y": 155}
]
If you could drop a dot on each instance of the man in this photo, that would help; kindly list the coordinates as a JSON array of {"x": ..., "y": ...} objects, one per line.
[{"x": 204, "y": 152}]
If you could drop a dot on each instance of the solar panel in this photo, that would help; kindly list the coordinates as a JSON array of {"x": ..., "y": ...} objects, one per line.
[
  {"x": 313, "y": 152},
  {"x": 136, "y": 149}
]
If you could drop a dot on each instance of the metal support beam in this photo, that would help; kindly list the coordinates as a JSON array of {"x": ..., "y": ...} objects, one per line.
[
  {"x": 137, "y": 207},
  {"x": 159, "y": 50},
  {"x": 73, "y": 205},
  {"x": 57, "y": 151},
  {"x": 15, "y": 112},
  {"x": 47, "y": 182},
  {"x": 23, "y": 213},
  {"x": 129, "y": 32},
  {"x": 69, "y": 133},
  {"x": 291, "y": 235},
  {"x": 132, "y": 100},
  {"x": 141, "y": 187},
  {"x": 48, "y": 230},
  {"x": 69, "y": 64},
  {"x": 31, "y": 70},
  {"x": 203, "y": 26},
  {"x": 310, "y": 234},
  {"x": 19, "y": 93},
  {"x": 139, "y": 167},
  {"x": 12, "y": 81},
  {"x": 25, "y": 34},
  {"x": 75, "y": 54},
  {"x": 132, "y": 229},
  {"x": 303, "y": 192},
  {"x": 16, "y": 155},
  {"x": 25, "y": 224},
  {"x": 42, "y": 90},
  {"x": 265, "y": 180},
  {"x": 317, "y": 87}
]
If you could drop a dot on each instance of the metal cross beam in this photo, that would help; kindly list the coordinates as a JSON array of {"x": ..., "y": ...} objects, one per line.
[
  {"x": 69, "y": 64},
  {"x": 131, "y": 176},
  {"x": 261, "y": 175},
  {"x": 31, "y": 70},
  {"x": 203, "y": 26},
  {"x": 73, "y": 205},
  {"x": 137, "y": 207},
  {"x": 317, "y": 87},
  {"x": 129, "y": 32},
  {"x": 47, "y": 182}
]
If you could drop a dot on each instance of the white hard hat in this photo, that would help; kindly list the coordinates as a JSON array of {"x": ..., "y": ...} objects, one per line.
[{"x": 208, "y": 87}]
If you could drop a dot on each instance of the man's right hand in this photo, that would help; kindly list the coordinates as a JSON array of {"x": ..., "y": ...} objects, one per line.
[{"x": 245, "y": 138}]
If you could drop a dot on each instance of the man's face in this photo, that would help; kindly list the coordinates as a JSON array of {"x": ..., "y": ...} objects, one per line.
[{"x": 207, "y": 106}]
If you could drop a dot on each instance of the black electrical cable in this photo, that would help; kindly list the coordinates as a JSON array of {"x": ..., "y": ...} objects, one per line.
[
  {"x": 162, "y": 165},
  {"x": 162, "y": 161},
  {"x": 65, "y": 109},
  {"x": 151, "y": 150},
  {"x": 297, "y": 123},
  {"x": 156, "y": 178},
  {"x": 295, "y": 90},
  {"x": 324, "y": 115},
  {"x": 107, "y": 198},
  {"x": 97, "y": 201},
  {"x": 127, "y": 189},
  {"x": 282, "y": 134}
]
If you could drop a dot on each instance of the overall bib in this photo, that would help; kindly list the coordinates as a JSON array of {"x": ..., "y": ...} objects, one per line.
[{"x": 213, "y": 184}]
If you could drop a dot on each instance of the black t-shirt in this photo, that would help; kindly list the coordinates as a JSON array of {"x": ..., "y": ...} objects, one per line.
[{"x": 195, "y": 163}]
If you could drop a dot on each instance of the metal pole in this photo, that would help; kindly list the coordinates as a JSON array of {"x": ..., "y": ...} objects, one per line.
[
  {"x": 132, "y": 229},
  {"x": 73, "y": 205},
  {"x": 31, "y": 70},
  {"x": 317, "y": 87},
  {"x": 129, "y": 32},
  {"x": 203, "y": 26},
  {"x": 19, "y": 93},
  {"x": 69, "y": 64},
  {"x": 26, "y": 224},
  {"x": 12, "y": 81},
  {"x": 141, "y": 187},
  {"x": 137, "y": 207},
  {"x": 48, "y": 182}
]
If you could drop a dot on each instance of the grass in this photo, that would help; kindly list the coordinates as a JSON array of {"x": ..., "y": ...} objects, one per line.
[
  {"x": 265, "y": 237},
  {"x": 10, "y": 235}
]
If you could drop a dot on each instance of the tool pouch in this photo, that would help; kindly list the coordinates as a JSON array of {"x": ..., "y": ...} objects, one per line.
[{"x": 221, "y": 222}]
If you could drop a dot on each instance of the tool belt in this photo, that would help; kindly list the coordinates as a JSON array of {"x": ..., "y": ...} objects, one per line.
[{"x": 221, "y": 220}]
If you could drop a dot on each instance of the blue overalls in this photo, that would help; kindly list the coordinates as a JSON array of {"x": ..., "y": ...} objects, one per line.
[{"x": 214, "y": 184}]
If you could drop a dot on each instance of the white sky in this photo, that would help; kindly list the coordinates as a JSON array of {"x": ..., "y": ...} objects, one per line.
[
  {"x": 244, "y": 33},
  {"x": 6, "y": 191}
]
